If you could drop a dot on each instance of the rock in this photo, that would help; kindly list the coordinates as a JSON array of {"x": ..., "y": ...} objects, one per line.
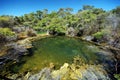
[
  {"x": 71, "y": 32},
  {"x": 52, "y": 32},
  {"x": 94, "y": 73},
  {"x": 31, "y": 33},
  {"x": 14, "y": 51},
  {"x": 44, "y": 74},
  {"x": 117, "y": 42},
  {"x": 88, "y": 38},
  {"x": 13, "y": 54},
  {"x": 11, "y": 38},
  {"x": 13, "y": 77},
  {"x": 62, "y": 72},
  {"x": 26, "y": 43},
  {"x": 18, "y": 29},
  {"x": 75, "y": 73},
  {"x": 27, "y": 76},
  {"x": 70, "y": 72},
  {"x": 22, "y": 35},
  {"x": 51, "y": 65}
]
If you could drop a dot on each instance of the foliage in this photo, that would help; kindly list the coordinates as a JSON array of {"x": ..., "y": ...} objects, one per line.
[
  {"x": 117, "y": 76},
  {"x": 87, "y": 21},
  {"x": 6, "y": 32},
  {"x": 100, "y": 34},
  {"x": 6, "y": 21}
]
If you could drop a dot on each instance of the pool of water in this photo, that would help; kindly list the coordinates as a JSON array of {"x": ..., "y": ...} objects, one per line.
[{"x": 56, "y": 50}]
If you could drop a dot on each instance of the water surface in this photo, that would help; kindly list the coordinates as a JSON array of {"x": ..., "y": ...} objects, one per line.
[{"x": 56, "y": 50}]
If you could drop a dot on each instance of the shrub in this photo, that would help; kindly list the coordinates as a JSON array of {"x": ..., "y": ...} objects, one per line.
[
  {"x": 6, "y": 34},
  {"x": 98, "y": 35},
  {"x": 117, "y": 76},
  {"x": 6, "y": 21}
]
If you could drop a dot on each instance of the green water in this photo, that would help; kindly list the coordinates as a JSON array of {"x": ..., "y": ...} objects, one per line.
[{"x": 56, "y": 50}]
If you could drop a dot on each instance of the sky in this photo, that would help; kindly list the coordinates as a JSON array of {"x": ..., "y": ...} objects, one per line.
[{"x": 21, "y": 7}]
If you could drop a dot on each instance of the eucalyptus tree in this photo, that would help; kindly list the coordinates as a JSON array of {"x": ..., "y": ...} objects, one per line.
[
  {"x": 31, "y": 16},
  {"x": 116, "y": 10},
  {"x": 25, "y": 18},
  {"x": 45, "y": 12},
  {"x": 61, "y": 12},
  {"x": 68, "y": 10},
  {"x": 17, "y": 20},
  {"x": 87, "y": 7},
  {"x": 39, "y": 14}
]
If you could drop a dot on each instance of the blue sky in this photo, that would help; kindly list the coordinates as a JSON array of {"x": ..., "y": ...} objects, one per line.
[{"x": 20, "y": 7}]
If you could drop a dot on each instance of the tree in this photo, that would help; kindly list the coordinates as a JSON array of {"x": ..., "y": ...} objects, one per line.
[
  {"x": 87, "y": 7},
  {"x": 6, "y": 21},
  {"x": 116, "y": 10},
  {"x": 45, "y": 12},
  {"x": 25, "y": 18},
  {"x": 31, "y": 16},
  {"x": 39, "y": 14},
  {"x": 17, "y": 20},
  {"x": 69, "y": 10},
  {"x": 61, "y": 13}
]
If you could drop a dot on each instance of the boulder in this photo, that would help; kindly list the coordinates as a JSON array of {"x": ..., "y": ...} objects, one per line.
[
  {"x": 71, "y": 32},
  {"x": 13, "y": 54},
  {"x": 70, "y": 72},
  {"x": 88, "y": 38}
]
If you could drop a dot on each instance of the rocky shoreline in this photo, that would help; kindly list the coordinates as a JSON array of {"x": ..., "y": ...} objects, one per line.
[{"x": 21, "y": 48}]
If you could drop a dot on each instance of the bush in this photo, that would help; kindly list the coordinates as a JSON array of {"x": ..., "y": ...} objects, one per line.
[
  {"x": 6, "y": 34},
  {"x": 102, "y": 36},
  {"x": 98, "y": 35},
  {"x": 6, "y": 21},
  {"x": 117, "y": 76}
]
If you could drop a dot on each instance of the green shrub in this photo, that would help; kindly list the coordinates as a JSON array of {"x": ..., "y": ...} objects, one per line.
[
  {"x": 98, "y": 35},
  {"x": 117, "y": 76},
  {"x": 6, "y": 32}
]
